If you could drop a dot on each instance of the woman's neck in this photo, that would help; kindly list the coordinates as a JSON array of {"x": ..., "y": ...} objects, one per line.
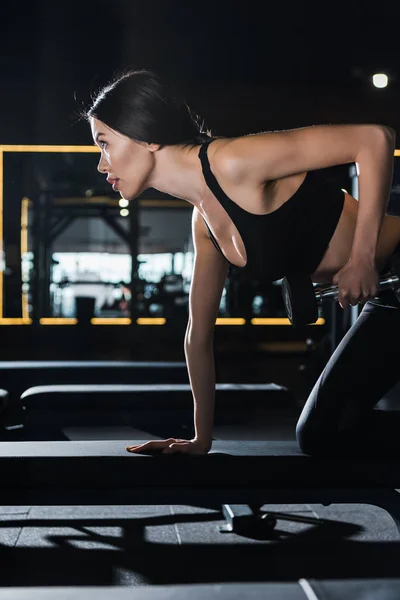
[{"x": 178, "y": 172}]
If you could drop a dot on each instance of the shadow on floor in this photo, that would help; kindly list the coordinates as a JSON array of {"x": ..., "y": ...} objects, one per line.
[{"x": 321, "y": 550}]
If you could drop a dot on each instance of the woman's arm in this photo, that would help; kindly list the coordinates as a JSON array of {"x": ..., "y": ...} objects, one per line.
[
  {"x": 270, "y": 156},
  {"x": 201, "y": 369},
  {"x": 208, "y": 278},
  {"x": 375, "y": 164}
]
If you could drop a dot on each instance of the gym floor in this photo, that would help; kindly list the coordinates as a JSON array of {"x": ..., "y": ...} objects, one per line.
[{"x": 142, "y": 545}]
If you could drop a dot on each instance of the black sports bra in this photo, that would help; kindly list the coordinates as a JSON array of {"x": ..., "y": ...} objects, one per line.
[{"x": 291, "y": 239}]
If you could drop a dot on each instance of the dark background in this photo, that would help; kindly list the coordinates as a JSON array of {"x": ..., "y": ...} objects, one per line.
[{"x": 245, "y": 66}]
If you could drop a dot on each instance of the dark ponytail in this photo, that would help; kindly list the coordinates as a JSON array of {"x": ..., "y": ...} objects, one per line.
[{"x": 143, "y": 107}]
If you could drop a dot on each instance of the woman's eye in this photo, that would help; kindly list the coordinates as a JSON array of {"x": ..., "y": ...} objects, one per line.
[{"x": 103, "y": 142}]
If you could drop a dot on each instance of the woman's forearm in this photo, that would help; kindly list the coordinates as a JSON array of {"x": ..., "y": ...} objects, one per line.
[
  {"x": 201, "y": 369},
  {"x": 375, "y": 164}
]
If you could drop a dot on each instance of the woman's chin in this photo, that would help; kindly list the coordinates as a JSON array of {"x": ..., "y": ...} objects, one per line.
[
  {"x": 124, "y": 196},
  {"x": 127, "y": 197},
  {"x": 130, "y": 195}
]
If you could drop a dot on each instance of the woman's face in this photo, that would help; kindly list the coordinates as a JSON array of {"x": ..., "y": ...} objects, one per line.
[{"x": 126, "y": 163}]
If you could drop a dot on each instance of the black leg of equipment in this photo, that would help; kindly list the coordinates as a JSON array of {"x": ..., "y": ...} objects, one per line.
[{"x": 245, "y": 519}]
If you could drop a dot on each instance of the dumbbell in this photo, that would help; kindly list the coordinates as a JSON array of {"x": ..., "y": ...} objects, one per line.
[{"x": 302, "y": 298}]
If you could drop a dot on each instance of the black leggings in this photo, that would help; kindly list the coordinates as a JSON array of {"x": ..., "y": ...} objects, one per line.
[{"x": 339, "y": 415}]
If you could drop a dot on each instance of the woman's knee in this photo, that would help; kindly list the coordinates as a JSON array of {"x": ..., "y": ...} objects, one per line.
[
  {"x": 314, "y": 436},
  {"x": 307, "y": 437}
]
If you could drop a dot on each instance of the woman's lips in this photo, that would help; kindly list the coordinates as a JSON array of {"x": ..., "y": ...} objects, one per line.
[{"x": 114, "y": 184}]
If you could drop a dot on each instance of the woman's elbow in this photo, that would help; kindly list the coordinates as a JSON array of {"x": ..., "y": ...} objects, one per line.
[{"x": 389, "y": 132}]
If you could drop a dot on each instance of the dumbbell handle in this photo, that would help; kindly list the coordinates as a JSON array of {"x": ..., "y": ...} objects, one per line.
[{"x": 331, "y": 292}]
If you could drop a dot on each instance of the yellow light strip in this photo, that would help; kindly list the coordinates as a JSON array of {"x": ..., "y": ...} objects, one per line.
[
  {"x": 15, "y": 321},
  {"x": 24, "y": 250},
  {"x": 230, "y": 321},
  {"x": 142, "y": 321},
  {"x": 1, "y": 233},
  {"x": 397, "y": 152},
  {"x": 320, "y": 321},
  {"x": 272, "y": 321},
  {"x": 24, "y": 225},
  {"x": 52, "y": 148},
  {"x": 151, "y": 321},
  {"x": 57, "y": 321},
  {"x": 110, "y": 321}
]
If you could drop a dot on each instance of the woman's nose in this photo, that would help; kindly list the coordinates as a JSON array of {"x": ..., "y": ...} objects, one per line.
[{"x": 102, "y": 167}]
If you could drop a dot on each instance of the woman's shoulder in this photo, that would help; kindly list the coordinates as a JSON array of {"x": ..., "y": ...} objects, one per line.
[
  {"x": 245, "y": 160},
  {"x": 224, "y": 157}
]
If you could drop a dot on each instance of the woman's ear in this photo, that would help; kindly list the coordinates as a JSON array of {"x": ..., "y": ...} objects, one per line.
[{"x": 153, "y": 147}]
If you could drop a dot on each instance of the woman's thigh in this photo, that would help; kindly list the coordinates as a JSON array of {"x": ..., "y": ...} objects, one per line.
[{"x": 364, "y": 366}]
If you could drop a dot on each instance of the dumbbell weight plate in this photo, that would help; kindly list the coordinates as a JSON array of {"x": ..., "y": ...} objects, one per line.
[{"x": 299, "y": 299}]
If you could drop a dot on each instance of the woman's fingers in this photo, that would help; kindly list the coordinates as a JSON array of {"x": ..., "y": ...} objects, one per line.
[
  {"x": 149, "y": 446},
  {"x": 170, "y": 446},
  {"x": 184, "y": 447},
  {"x": 152, "y": 446},
  {"x": 181, "y": 446}
]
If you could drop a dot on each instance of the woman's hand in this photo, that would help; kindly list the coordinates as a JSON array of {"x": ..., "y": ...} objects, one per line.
[
  {"x": 171, "y": 446},
  {"x": 357, "y": 281}
]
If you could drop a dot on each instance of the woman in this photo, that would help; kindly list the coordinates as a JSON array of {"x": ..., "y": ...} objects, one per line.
[{"x": 261, "y": 204}]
